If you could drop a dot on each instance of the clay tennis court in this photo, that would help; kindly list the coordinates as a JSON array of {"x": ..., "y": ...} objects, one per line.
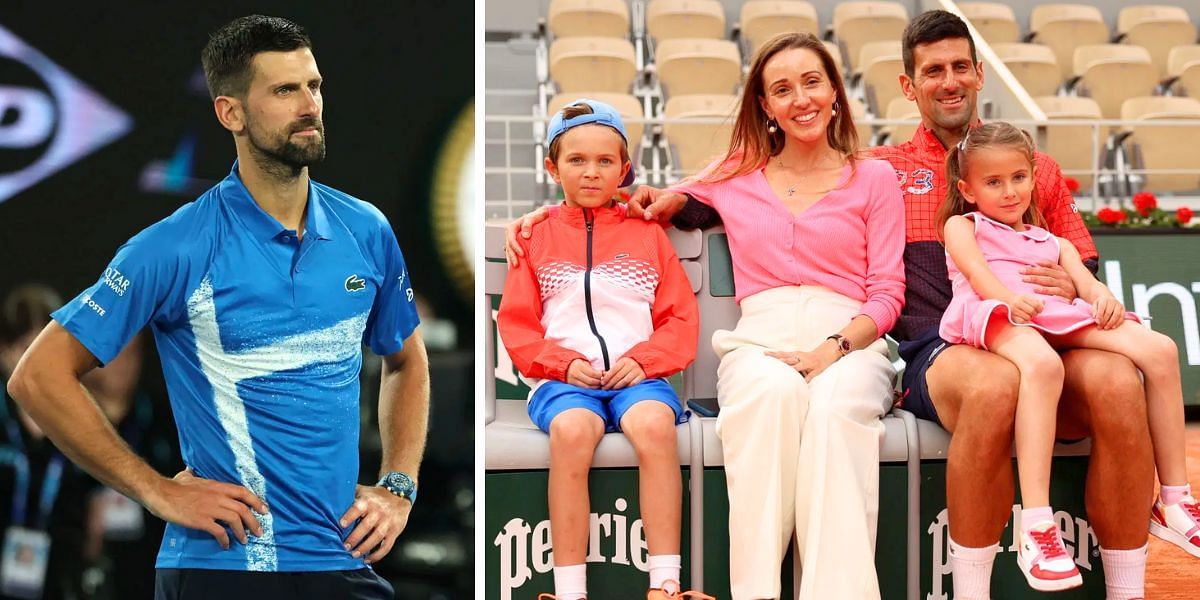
[{"x": 1171, "y": 572}]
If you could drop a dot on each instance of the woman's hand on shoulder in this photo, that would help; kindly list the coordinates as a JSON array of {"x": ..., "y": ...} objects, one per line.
[{"x": 652, "y": 203}]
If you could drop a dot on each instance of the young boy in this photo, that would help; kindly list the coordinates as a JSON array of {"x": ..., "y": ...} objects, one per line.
[{"x": 595, "y": 317}]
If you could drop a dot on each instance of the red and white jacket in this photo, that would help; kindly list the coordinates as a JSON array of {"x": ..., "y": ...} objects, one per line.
[{"x": 597, "y": 286}]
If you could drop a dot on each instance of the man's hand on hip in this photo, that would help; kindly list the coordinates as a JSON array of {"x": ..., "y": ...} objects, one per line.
[
  {"x": 382, "y": 516},
  {"x": 208, "y": 505}
]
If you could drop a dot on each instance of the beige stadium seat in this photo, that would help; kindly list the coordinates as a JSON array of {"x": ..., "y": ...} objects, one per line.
[
  {"x": 588, "y": 18},
  {"x": 1065, "y": 27},
  {"x": 859, "y": 112},
  {"x": 856, "y": 23},
  {"x": 1157, "y": 29},
  {"x": 1183, "y": 64},
  {"x": 698, "y": 144},
  {"x": 995, "y": 22},
  {"x": 900, "y": 108},
  {"x": 882, "y": 64},
  {"x": 836, "y": 53},
  {"x": 1166, "y": 147},
  {"x": 672, "y": 19},
  {"x": 764, "y": 19},
  {"x": 698, "y": 66},
  {"x": 1072, "y": 145},
  {"x": 1112, "y": 73},
  {"x": 627, "y": 106},
  {"x": 593, "y": 64},
  {"x": 1033, "y": 65}
]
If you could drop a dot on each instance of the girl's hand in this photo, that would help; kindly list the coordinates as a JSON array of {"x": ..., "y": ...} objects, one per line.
[
  {"x": 809, "y": 364},
  {"x": 626, "y": 372},
  {"x": 581, "y": 373},
  {"x": 1108, "y": 312},
  {"x": 1025, "y": 308}
]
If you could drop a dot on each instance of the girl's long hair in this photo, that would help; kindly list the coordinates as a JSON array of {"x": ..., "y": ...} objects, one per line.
[
  {"x": 991, "y": 135},
  {"x": 750, "y": 144}
]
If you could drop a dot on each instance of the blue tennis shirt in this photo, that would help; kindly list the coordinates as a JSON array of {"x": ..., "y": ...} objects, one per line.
[{"x": 260, "y": 336}]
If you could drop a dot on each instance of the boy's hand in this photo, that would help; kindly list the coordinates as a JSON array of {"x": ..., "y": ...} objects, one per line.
[
  {"x": 581, "y": 373},
  {"x": 625, "y": 373},
  {"x": 1025, "y": 308},
  {"x": 1108, "y": 312}
]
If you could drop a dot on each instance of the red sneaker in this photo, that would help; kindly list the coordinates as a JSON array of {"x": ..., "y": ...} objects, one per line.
[
  {"x": 1045, "y": 562},
  {"x": 1178, "y": 523}
]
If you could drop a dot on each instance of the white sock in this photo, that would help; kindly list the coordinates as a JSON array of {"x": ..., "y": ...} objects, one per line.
[
  {"x": 663, "y": 568},
  {"x": 971, "y": 570},
  {"x": 1034, "y": 516},
  {"x": 570, "y": 582},
  {"x": 1124, "y": 573}
]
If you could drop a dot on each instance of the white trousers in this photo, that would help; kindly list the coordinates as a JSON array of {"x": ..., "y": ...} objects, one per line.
[{"x": 801, "y": 458}]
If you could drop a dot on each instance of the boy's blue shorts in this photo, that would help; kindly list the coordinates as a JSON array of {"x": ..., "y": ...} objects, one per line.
[{"x": 554, "y": 397}]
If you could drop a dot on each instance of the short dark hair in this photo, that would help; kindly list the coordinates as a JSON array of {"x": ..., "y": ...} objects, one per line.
[
  {"x": 929, "y": 27},
  {"x": 230, "y": 50}
]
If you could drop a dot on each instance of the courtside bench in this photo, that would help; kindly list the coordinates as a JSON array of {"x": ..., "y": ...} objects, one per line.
[{"x": 911, "y": 557}]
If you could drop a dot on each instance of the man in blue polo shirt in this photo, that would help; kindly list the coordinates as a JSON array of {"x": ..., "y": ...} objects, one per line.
[{"x": 260, "y": 295}]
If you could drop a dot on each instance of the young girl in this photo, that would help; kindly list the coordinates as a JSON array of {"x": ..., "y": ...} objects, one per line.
[{"x": 990, "y": 222}]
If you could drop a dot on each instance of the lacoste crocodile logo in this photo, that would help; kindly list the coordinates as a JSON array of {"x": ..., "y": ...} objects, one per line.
[{"x": 355, "y": 284}]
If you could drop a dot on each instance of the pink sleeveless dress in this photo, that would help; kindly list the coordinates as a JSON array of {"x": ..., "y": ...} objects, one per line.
[{"x": 1007, "y": 251}]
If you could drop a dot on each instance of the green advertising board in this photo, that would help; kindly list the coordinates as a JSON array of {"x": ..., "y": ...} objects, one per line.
[{"x": 1158, "y": 275}]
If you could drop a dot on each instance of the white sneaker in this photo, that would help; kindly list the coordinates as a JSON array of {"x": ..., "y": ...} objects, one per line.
[
  {"x": 1045, "y": 562},
  {"x": 1178, "y": 523}
]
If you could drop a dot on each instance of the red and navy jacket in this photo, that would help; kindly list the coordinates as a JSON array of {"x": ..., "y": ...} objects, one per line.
[{"x": 597, "y": 286}]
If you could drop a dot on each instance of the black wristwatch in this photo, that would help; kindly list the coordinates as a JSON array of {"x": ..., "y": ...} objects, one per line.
[
  {"x": 843, "y": 344},
  {"x": 399, "y": 484}
]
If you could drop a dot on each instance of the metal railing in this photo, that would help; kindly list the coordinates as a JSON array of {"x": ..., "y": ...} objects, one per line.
[{"x": 515, "y": 180}]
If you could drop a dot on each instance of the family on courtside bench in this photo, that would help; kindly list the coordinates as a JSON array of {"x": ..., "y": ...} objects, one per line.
[{"x": 964, "y": 244}]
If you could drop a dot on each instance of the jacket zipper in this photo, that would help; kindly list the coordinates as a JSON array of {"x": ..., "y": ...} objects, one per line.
[{"x": 587, "y": 289}]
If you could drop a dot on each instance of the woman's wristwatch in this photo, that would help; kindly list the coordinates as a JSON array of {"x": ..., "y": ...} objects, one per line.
[{"x": 843, "y": 343}]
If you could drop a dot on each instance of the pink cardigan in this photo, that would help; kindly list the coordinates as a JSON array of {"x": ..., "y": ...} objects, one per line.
[{"x": 849, "y": 241}]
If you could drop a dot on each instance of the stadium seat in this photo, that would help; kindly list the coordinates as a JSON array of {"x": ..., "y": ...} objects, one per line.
[
  {"x": 1183, "y": 70},
  {"x": 859, "y": 112},
  {"x": 1112, "y": 73},
  {"x": 698, "y": 66},
  {"x": 995, "y": 22},
  {"x": 698, "y": 144},
  {"x": 1065, "y": 27},
  {"x": 1033, "y": 65},
  {"x": 1157, "y": 29},
  {"x": 1165, "y": 147},
  {"x": 836, "y": 53},
  {"x": 673, "y": 19},
  {"x": 882, "y": 63},
  {"x": 593, "y": 64},
  {"x": 856, "y": 23},
  {"x": 1072, "y": 145},
  {"x": 900, "y": 108},
  {"x": 588, "y": 18},
  {"x": 628, "y": 106},
  {"x": 763, "y": 19}
]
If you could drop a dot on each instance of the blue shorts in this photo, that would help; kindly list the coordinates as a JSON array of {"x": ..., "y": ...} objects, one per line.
[
  {"x": 554, "y": 397},
  {"x": 918, "y": 355}
]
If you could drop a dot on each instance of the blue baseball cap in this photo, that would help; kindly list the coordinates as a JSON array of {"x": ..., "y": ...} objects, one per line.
[{"x": 603, "y": 114}]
